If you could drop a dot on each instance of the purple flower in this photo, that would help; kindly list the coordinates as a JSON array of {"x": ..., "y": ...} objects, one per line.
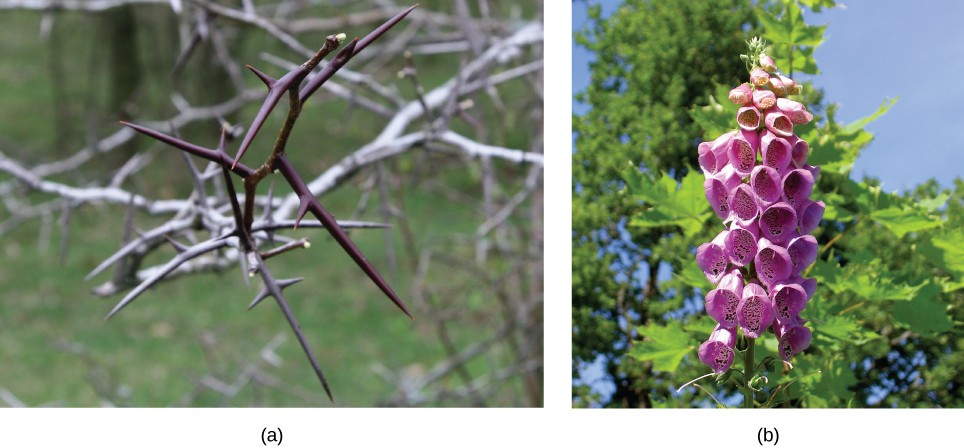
[
  {"x": 717, "y": 352},
  {"x": 741, "y": 243},
  {"x": 775, "y": 150},
  {"x": 759, "y": 184},
  {"x": 772, "y": 262},
  {"x": 755, "y": 312},
  {"x": 789, "y": 299},
  {"x": 759, "y": 77},
  {"x": 711, "y": 258},
  {"x": 799, "y": 151},
  {"x": 765, "y": 183},
  {"x": 793, "y": 336},
  {"x": 721, "y": 303},
  {"x": 741, "y": 94},
  {"x": 778, "y": 221},
  {"x": 797, "y": 186},
  {"x": 743, "y": 205},
  {"x": 764, "y": 99},
  {"x": 779, "y": 124},
  {"x": 810, "y": 215},
  {"x": 743, "y": 150},
  {"x": 803, "y": 252},
  {"x": 796, "y": 112},
  {"x": 712, "y": 155}
]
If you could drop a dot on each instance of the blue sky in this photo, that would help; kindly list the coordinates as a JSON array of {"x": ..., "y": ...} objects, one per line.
[{"x": 876, "y": 50}]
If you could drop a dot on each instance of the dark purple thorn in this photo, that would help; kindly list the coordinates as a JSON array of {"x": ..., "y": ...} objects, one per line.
[
  {"x": 267, "y": 80},
  {"x": 275, "y": 91},
  {"x": 204, "y": 153}
]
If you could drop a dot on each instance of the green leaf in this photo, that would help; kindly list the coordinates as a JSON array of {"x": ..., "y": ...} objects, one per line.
[
  {"x": 932, "y": 204},
  {"x": 946, "y": 250},
  {"x": 868, "y": 281},
  {"x": 861, "y": 123},
  {"x": 692, "y": 275},
  {"x": 664, "y": 346},
  {"x": 904, "y": 220},
  {"x": 717, "y": 117},
  {"x": 925, "y": 314},
  {"x": 818, "y": 5},
  {"x": 685, "y": 206},
  {"x": 837, "y": 327}
]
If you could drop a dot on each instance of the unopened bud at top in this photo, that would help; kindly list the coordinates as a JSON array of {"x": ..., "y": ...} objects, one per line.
[{"x": 341, "y": 37}]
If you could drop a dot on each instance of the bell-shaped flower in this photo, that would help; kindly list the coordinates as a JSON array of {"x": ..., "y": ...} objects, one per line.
[
  {"x": 712, "y": 155},
  {"x": 799, "y": 151},
  {"x": 776, "y": 86},
  {"x": 741, "y": 95},
  {"x": 711, "y": 258},
  {"x": 721, "y": 302},
  {"x": 759, "y": 77},
  {"x": 809, "y": 284},
  {"x": 766, "y": 63},
  {"x": 803, "y": 252},
  {"x": 748, "y": 117},
  {"x": 775, "y": 150},
  {"x": 744, "y": 208},
  {"x": 810, "y": 215},
  {"x": 794, "y": 110},
  {"x": 797, "y": 186},
  {"x": 764, "y": 99},
  {"x": 777, "y": 222},
  {"x": 743, "y": 150},
  {"x": 789, "y": 299},
  {"x": 755, "y": 312},
  {"x": 814, "y": 171},
  {"x": 772, "y": 262},
  {"x": 778, "y": 123},
  {"x": 717, "y": 351},
  {"x": 790, "y": 84},
  {"x": 718, "y": 188},
  {"x": 765, "y": 182},
  {"x": 741, "y": 243},
  {"x": 794, "y": 337}
]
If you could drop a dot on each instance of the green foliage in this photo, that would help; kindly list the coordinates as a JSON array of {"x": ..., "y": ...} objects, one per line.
[
  {"x": 886, "y": 315},
  {"x": 666, "y": 204},
  {"x": 665, "y": 346},
  {"x": 654, "y": 61}
]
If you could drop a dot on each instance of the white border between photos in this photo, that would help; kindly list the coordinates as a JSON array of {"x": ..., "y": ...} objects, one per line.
[{"x": 556, "y": 424}]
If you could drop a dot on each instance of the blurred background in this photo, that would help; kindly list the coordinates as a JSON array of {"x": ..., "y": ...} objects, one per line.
[{"x": 464, "y": 250}]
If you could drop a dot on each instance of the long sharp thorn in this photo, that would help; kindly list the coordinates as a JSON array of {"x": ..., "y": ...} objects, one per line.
[
  {"x": 275, "y": 92},
  {"x": 377, "y": 32},
  {"x": 267, "y": 80}
]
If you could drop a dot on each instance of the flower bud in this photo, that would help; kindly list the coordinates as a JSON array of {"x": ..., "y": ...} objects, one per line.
[
  {"x": 759, "y": 77},
  {"x": 766, "y": 63}
]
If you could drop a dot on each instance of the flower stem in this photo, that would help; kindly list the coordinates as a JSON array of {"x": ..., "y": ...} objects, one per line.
[{"x": 748, "y": 373}]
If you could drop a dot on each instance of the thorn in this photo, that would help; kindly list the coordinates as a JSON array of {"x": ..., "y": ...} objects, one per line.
[
  {"x": 264, "y": 293},
  {"x": 302, "y": 210},
  {"x": 267, "y": 80}
]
